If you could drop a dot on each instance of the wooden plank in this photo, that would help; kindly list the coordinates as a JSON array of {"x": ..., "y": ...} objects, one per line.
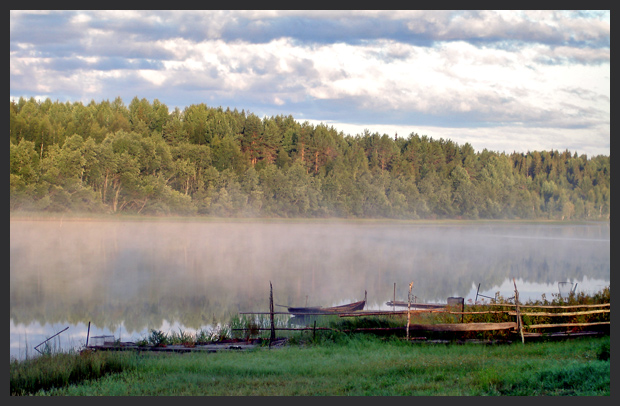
[
  {"x": 421, "y": 305},
  {"x": 435, "y": 309},
  {"x": 418, "y": 327},
  {"x": 388, "y": 312},
  {"x": 600, "y": 323},
  {"x": 357, "y": 313},
  {"x": 319, "y": 314},
  {"x": 544, "y": 306},
  {"x": 564, "y": 334},
  {"x": 465, "y": 326},
  {"x": 175, "y": 348},
  {"x": 264, "y": 313},
  {"x": 513, "y": 312},
  {"x": 377, "y": 313},
  {"x": 563, "y": 314},
  {"x": 510, "y": 312},
  {"x": 283, "y": 328},
  {"x": 409, "y": 309}
]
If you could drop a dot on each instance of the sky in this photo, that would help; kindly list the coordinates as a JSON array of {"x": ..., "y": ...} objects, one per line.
[{"x": 499, "y": 80}]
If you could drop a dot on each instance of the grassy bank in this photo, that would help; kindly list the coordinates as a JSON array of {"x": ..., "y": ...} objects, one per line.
[{"x": 352, "y": 365}]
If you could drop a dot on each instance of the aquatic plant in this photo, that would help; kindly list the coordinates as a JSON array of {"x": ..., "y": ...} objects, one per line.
[{"x": 158, "y": 338}]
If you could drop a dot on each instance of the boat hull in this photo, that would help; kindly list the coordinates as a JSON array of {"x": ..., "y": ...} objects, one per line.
[{"x": 346, "y": 308}]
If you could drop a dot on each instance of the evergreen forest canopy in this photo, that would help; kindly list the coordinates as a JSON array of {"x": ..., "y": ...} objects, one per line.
[{"x": 144, "y": 159}]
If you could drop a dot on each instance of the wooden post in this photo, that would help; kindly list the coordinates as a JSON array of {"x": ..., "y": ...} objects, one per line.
[
  {"x": 454, "y": 303},
  {"x": 88, "y": 333},
  {"x": 409, "y": 309},
  {"x": 314, "y": 332},
  {"x": 519, "y": 321},
  {"x": 273, "y": 330}
]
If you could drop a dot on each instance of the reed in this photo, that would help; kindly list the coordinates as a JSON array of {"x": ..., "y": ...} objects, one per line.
[{"x": 58, "y": 369}]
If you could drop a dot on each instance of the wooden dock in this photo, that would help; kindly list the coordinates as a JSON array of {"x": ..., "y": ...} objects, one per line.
[{"x": 206, "y": 348}]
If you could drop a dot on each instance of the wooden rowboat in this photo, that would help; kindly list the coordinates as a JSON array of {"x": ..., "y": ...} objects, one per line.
[{"x": 345, "y": 308}]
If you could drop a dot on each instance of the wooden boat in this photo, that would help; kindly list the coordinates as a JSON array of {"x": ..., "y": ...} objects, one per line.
[{"x": 345, "y": 308}]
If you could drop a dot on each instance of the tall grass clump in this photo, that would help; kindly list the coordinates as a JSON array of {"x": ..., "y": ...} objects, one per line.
[
  {"x": 62, "y": 369},
  {"x": 249, "y": 327}
]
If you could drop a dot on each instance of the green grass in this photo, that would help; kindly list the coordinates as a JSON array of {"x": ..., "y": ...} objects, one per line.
[{"x": 362, "y": 365}]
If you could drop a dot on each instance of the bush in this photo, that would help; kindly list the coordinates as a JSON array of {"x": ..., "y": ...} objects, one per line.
[{"x": 603, "y": 353}]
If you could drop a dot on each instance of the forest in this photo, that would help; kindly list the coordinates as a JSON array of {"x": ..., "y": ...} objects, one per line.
[{"x": 142, "y": 158}]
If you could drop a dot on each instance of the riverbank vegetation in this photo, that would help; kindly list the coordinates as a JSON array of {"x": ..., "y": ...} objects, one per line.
[
  {"x": 347, "y": 365},
  {"x": 336, "y": 361},
  {"x": 143, "y": 159},
  {"x": 573, "y": 313}
]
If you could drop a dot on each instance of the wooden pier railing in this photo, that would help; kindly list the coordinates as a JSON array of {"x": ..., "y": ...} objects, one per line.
[{"x": 510, "y": 309}]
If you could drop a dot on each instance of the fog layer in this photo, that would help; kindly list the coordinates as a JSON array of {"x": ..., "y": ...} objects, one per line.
[{"x": 142, "y": 273}]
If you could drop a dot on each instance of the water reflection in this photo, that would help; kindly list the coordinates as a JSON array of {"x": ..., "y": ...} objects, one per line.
[{"x": 127, "y": 277}]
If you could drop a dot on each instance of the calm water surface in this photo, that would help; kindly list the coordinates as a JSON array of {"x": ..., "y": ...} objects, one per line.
[{"x": 128, "y": 277}]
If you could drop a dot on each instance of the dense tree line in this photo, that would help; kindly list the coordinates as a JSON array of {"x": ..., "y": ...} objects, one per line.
[{"x": 143, "y": 158}]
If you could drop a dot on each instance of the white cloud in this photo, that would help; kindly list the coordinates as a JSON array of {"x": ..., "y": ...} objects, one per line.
[
  {"x": 155, "y": 77},
  {"x": 501, "y": 139},
  {"x": 459, "y": 68},
  {"x": 80, "y": 18}
]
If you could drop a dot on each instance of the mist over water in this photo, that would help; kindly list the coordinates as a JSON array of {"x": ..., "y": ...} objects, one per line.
[{"x": 133, "y": 276}]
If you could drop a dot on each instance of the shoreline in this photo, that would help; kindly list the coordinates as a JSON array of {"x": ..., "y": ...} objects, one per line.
[{"x": 43, "y": 216}]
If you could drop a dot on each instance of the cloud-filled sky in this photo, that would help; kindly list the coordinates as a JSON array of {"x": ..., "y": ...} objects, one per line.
[{"x": 501, "y": 80}]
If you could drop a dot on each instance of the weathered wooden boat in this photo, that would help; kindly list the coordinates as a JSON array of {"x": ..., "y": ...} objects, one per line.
[{"x": 318, "y": 310}]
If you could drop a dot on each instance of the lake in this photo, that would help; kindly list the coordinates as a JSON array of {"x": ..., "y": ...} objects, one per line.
[{"x": 128, "y": 277}]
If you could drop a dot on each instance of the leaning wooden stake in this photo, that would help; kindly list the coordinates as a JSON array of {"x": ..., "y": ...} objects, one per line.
[
  {"x": 409, "y": 309},
  {"x": 273, "y": 329},
  {"x": 37, "y": 347},
  {"x": 519, "y": 321}
]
